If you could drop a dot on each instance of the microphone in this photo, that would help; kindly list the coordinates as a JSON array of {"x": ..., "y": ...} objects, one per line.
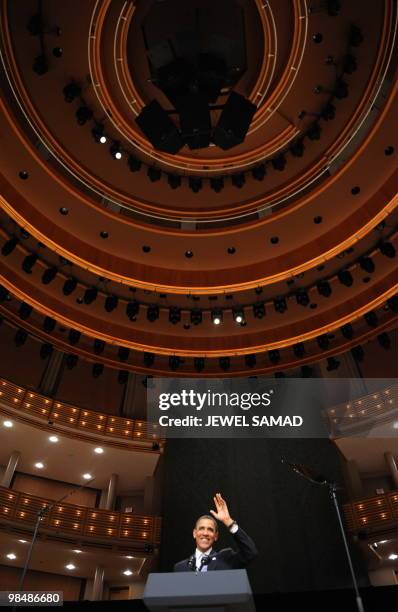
[
  {"x": 308, "y": 473},
  {"x": 204, "y": 561},
  {"x": 191, "y": 563}
]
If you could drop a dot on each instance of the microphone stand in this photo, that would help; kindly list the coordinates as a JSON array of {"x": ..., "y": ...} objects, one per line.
[{"x": 320, "y": 480}]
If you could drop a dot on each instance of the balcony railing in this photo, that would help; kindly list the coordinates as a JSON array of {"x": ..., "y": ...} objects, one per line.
[
  {"x": 66, "y": 415},
  {"x": 79, "y": 520},
  {"x": 372, "y": 513}
]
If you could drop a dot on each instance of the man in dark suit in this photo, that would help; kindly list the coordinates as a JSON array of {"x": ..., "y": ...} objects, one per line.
[{"x": 205, "y": 534}]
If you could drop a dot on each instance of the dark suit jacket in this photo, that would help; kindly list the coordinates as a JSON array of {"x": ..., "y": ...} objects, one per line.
[{"x": 226, "y": 558}]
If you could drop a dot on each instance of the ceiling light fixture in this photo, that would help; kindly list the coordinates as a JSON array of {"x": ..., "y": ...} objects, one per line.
[
  {"x": 39, "y": 465},
  {"x": 87, "y": 476},
  {"x": 8, "y": 424},
  {"x": 70, "y": 566},
  {"x": 99, "y": 450},
  {"x": 216, "y": 316},
  {"x": 54, "y": 439},
  {"x": 11, "y": 556}
]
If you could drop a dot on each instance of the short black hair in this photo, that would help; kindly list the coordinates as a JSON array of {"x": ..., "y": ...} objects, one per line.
[{"x": 210, "y": 518}]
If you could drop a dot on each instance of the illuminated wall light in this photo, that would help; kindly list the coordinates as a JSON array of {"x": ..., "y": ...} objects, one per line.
[
  {"x": 22, "y": 514},
  {"x": 91, "y": 528}
]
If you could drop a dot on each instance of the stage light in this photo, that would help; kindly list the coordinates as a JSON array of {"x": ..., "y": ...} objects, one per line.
[
  {"x": 174, "y": 180},
  {"x": 348, "y": 331},
  {"x": 355, "y": 37},
  {"x": 69, "y": 286},
  {"x": 132, "y": 309},
  {"x": 174, "y": 362},
  {"x": 40, "y": 65},
  {"x": 250, "y": 360},
  {"x": 314, "y": 131},
  {"x": 224, "y": 363},
  {"x": 98, "y": 133},
  {"x": 71, "y": 361},
  {"x": 238, "y": 315},
  {"x": 71, "y": 91},
  {"x": 332, "y": 364},
  {"x": 9, "y": 246},
  {"x": 196, "y": 316},
  {"x": 345, "y": 278},
  {"x": 123, "y": 353},
  {"x": 358, "y": 353},
  {"x": 83, "y": 114},
  {"x": 175, "y": 315},
  {"x": 259, "y": 310},
  {"x": 46, "y": 350},
  {"x": 306, "y": 371},
  {"x": 134, "y": 164},
  {"x": 97, "y": 369},
  {"x": 217, "y": 183},
  {"x": 148, "y": 359},
  {"x": 20, "y": 337},
  {"x": 349, "y": 64},
  {"x": 29, "y": 262},
  {"x": 297, "y": 148},
  {"x": 280, "y": 305},
  {"x": 384, "y": 340},
  {"x": 302, "y": 297},
  {"x": 371, "y": 318},
  {"x": 154, "y": 174},
  {"x": 99, "y": 346},
  {"x": 299, "y": 349},
  {"x": 387, "y": 249},
  {"x": 49, "y": 275},
  {"x": 279, "y": 162},
  {"x": 49, "y": 324},
  {"x": 216, "y": 316},
  {"x": 328, "y": 112},
  {"x": 324, "y": 288},
  {"x": 122, "y": 377},
  {"x": 25, "y": 310},
  {"x": 341, "y": 89},
  {"x": 74, "y": 336},
  {"x": 111, "y": 303},
  {"x": 152, "y": 313},
  {"x": 116, "y": 151},
  {"x": 274, "y": 356},
  {"x": 392, "y": 303},
  {"x": 238, "y": 179},
  {"x": 195, "y": 183},
  {"x": 4, "y": 294},
  {"x": 367, "y": 264},
  {"x": 259, "y": 172},
  {"x": 199, "y": 364},
  {"x": 90, "y": 295},
  {"x": 323, "y": 342}
]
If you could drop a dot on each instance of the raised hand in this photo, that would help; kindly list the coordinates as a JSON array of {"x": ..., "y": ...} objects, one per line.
[{"x": 222, "y": 512}]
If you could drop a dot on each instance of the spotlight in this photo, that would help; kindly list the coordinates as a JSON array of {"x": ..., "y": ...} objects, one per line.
[
  {"x": 132, "y": 310},
  {"x": 74, "y": 336},
  {"x": 152, "y": 313},
  {"x": 259, "y": 310},
  {"x": 25, "y": 310},
  {"x": 148, "y": 359},
  {"x": 46, "y": 350},
  {"x": 49, "y": 324},
  {"x": 250, "y": 361},
  {"x": 341, "y": 89},
  {"x": 238, "y": 315},
  {"x": 279, "y": 162},
  {"x": 154, "y": 174},
  {"x": 306, "y": 371},
  {"x": 199, "y": 364},
  {"x": 274, "y": 356},
  {"x": 175, "y": 315},
  {"x": 238, "y": 179},
  {"x": 9, "y": 246},
  {"x": 280, "y": 305},
  {"x": 134, "y": 164},
  {"x": 367, "y": 264},
  {"x": 123, "y": 353},
  {"x": 384, "y": 340},
  {"x": 297, "y": 148},
  {"x": 4, "y": 294},
  {"x": 83, "y": 114},
  {"x": 371, "y": 319},
  {"x": 224, "y": 363},
  {"x": 387, "y": 249},
  {"x": 298, "y": 349},
  {"x": 195, "y": 183},
  {"x": 358, "y": 353},
  {"x": 348, "y": 331},
  {"x": 324, "y": 288},
  {"x": 49, "y": 275},
  {"x": 323, "y": 342},
  {"x": 97, "y": 369},
  {"x": 196, "y": 316},
  {"x": 29, "y": 262},
  {"x": 111, "y": 303},
  {"x": 20, "y": 337},
  {"x": 71, "y": 91},
  {"x": 329, "y": 112},
  {"x": 345, "y": 278},
  {"x": 355, "y": 36},
  {"x": 90, "y": 295},
  {"x": 174, "y": 362},
  {"x": 216, "y": 316},
  {"x": 174, "y": 180},
  {"x": 314, "y": 131},
  {"x": 259, "y": 172},
  {"x": 122, "y": 377},
  {"x": 217, "y": 183},
  {"x": 99, "y": 346},
  {"x": 98, "y": 133},
  {"x": 393, "y": 303},
  {"x": 69, "y": 286},
  {"x": 349, "y": 64},
  {"x": 40, "y": 65},
  {"x": 332, "y": 364},
  {"x": 302, "y": 297}
]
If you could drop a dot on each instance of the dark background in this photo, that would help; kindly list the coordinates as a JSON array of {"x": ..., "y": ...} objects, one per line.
[{"x": 292, "y": 522}]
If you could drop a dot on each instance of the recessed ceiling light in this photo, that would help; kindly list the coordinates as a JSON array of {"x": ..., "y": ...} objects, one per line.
[
  {"x": 87, "y": 476},
  {"x": 129, "y": 557},
  {"x": 76, "y": 550},
  {"x": 23, "y": 541},
  {"x": 8, "y": 424},
  {"x": 99, "y": 450},
  {"x": 382, "y": 542},
  {"x": 70, "y": 566},
  {"x": 53, "y": 439},
  {"x": 11, "y": 556},
  {"x": 39, "y": 465},
  {"x": 393, "y": 556},
  {"x": 127, "y": 572}
]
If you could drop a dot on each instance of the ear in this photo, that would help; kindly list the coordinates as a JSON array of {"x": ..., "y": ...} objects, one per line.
[
  {"x": 216, "y": 536},
  {"x": 194, "y": 534}
]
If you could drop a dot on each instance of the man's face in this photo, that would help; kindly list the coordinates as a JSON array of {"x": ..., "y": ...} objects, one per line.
[{"x": 205, "y": 534}]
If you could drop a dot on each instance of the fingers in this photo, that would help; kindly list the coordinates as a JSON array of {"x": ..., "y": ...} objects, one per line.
[{"x": 213, "y": 513}]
